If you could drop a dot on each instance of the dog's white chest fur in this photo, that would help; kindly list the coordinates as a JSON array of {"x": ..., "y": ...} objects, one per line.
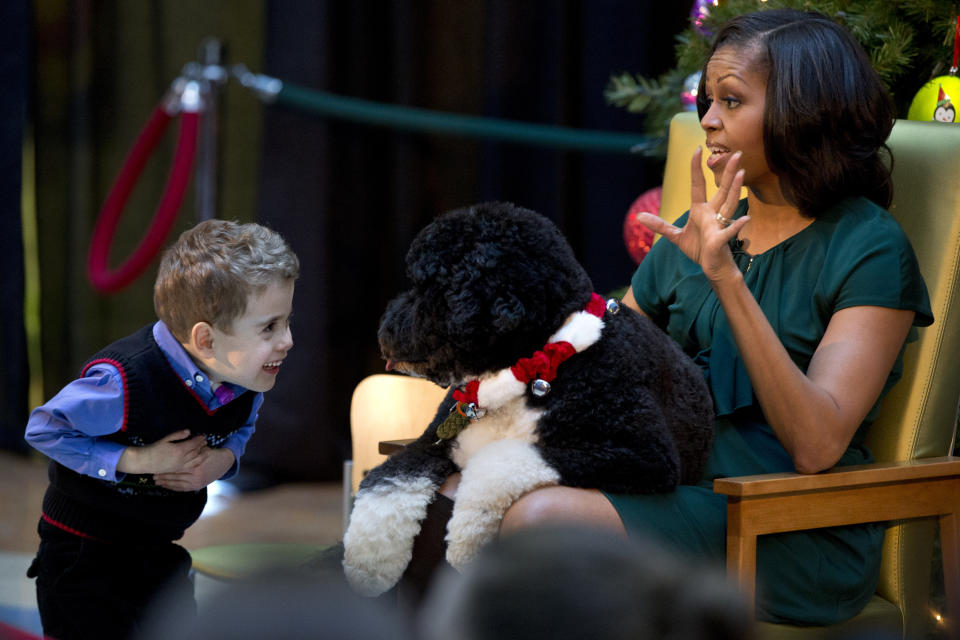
[{"x": 515, "y": 420}]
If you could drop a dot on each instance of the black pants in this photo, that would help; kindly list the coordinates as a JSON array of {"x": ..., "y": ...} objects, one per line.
[
  {"x": 429, "y": 549},
  {"x": 90, "y": 589}
]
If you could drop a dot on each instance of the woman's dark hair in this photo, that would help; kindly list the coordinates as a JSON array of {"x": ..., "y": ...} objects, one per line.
[{"x": 827, "y": 114}]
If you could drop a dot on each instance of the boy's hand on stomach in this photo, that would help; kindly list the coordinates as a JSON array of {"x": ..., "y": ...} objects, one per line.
[
  {"x": 216, "y": 462},
  {"x": 174, "y": 452}
]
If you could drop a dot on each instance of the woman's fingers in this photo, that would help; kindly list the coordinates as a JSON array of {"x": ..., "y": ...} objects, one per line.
[
  {"x": 733, "y": 194},
  {"x": 727, "y": 199},
  {"x": 698, "y": 184},
  {"x": 710, "y": 225},
  {"x": 656, "y": 223},
  {"x": 727, "y": 178},
  {"x": 732, "y": 227},
  {"x": 735, "y": 227}
]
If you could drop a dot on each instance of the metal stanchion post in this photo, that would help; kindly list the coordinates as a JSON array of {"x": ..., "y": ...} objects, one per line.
[{"x": 210, "y": 73}]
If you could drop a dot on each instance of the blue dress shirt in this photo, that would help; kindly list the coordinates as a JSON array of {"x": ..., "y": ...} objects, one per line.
[{"x": 70, "y": 426}]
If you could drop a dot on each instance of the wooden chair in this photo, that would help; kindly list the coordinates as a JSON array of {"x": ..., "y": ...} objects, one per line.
[
  {"x": 914, "y": 483},
  {"x": 384, "y": 407}
]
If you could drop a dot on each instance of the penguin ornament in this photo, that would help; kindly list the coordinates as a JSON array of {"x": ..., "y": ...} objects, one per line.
[{"x": 936, "y": 100}]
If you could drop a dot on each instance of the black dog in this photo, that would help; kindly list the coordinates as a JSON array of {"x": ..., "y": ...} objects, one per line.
[{"x": 552, "y": 386}]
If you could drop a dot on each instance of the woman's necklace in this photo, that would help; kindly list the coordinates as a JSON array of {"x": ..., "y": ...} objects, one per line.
[
  {"x": 740, "y": 245},
  {"x": 738, "y": 249}
]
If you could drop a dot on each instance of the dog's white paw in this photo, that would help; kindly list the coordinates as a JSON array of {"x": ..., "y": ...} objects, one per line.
[
  {"x": 467, "y": 532},
  {"x": 365, "y": 580},
  {"x": 378, "y": 543},
  {"x": 493, "y": 479}
]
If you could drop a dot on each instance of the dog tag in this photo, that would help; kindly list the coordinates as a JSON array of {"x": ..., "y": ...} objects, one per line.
[
  {"x": 454, "y": 424},
  {"x": 472, "y": 411}
]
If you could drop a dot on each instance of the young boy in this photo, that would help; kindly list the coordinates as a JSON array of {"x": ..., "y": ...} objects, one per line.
[{"x": 152, "y": 420}]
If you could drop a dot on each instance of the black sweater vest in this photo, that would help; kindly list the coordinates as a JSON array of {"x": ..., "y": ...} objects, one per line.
[{"x": 156, "y": 403}]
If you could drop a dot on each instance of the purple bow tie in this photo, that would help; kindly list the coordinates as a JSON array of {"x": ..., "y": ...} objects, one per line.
[{"x": 224, "y": 393}]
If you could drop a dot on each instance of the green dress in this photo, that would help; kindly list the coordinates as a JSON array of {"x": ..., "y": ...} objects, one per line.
[{"x": 853, "y": 254}]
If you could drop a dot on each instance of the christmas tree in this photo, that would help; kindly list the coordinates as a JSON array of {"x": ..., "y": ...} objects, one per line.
[{"x": 909, "y": 42}]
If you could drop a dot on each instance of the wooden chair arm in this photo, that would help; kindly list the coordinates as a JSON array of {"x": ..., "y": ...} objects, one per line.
[
  {"x": 838, "y": 477},
  {"x": 774, "y": 503},
  {"x": 390, "y": 447}
]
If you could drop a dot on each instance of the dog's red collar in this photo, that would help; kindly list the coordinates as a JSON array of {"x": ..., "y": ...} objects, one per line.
[
  {"x": 468, "y": 393},
  {"x": 541, "y": 367}
]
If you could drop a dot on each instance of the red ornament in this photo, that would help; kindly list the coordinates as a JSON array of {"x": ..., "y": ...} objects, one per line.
[{"x": 637, "y": 237}]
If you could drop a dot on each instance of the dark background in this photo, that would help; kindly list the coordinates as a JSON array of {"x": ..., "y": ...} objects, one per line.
[{"x": 81, "y": 78}]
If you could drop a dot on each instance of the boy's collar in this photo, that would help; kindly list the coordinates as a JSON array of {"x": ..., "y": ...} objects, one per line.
[{"x": 185, "y": 365}]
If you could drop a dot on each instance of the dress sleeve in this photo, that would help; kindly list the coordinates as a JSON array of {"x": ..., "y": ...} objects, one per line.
[
  {"x": 876, "y": 266},
  {"x": 653, "y": 281}
]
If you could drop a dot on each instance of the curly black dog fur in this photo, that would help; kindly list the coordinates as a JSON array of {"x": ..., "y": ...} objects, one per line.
[{"x": 491, "y": 284}]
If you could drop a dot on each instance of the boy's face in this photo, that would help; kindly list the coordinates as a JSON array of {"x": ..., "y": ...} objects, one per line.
[{"x": 250, "y": 355}]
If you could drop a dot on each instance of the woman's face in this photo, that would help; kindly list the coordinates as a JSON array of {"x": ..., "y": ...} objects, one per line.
[{"x": 735, "y": 89}]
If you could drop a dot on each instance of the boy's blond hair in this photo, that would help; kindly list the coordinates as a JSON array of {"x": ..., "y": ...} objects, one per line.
[{"x": 213, "y": 269}]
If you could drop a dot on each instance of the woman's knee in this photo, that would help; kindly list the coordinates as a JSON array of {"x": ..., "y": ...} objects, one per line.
[
  {"x": 559, "y": 505},
  {"x": 450, "y": 486}
]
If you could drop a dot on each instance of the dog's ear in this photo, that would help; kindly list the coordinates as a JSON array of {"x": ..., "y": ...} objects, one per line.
[
  {"x": 508, "y": 313},
  {"x": 425, "y": 266}
]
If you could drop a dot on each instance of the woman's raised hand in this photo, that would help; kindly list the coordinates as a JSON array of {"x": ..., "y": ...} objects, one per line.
[{"x": 706, "y": 237}]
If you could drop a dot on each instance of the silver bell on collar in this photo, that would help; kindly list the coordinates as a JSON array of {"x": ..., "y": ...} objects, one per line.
[
  {"x": 613, "y": 306},
  {"x": 540, "y": 388},
  {"x": 473, "y": 412}
]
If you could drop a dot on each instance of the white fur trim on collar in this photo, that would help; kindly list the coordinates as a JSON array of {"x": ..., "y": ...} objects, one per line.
[{"x": 581, "y": 330}]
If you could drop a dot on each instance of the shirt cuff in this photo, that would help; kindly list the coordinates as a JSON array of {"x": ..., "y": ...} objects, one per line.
[
  {"x": 103, "y": 465},
  {"x": 237, "y": 451}
]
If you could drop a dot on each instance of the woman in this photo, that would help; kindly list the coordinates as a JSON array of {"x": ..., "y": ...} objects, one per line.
[{"x": 796, "y": 301}]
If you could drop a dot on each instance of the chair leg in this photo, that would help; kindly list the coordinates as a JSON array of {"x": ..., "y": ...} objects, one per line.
[
  {"x": 347, "y": 493},
  {"x": 950, "y": 551},
  {"x": 741, "y": 552}
]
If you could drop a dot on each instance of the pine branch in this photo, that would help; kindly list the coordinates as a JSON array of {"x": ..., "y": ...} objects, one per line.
[{"x": 909, "y": 41}]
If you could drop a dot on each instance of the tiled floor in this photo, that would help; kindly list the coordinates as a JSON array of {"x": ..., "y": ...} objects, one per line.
[{"x": 307, "y": 513}]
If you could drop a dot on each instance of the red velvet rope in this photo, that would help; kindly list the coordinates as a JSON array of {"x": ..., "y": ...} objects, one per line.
[
  {"x": 956, "y": 45},
  {"x": 101, "y": 277}
]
